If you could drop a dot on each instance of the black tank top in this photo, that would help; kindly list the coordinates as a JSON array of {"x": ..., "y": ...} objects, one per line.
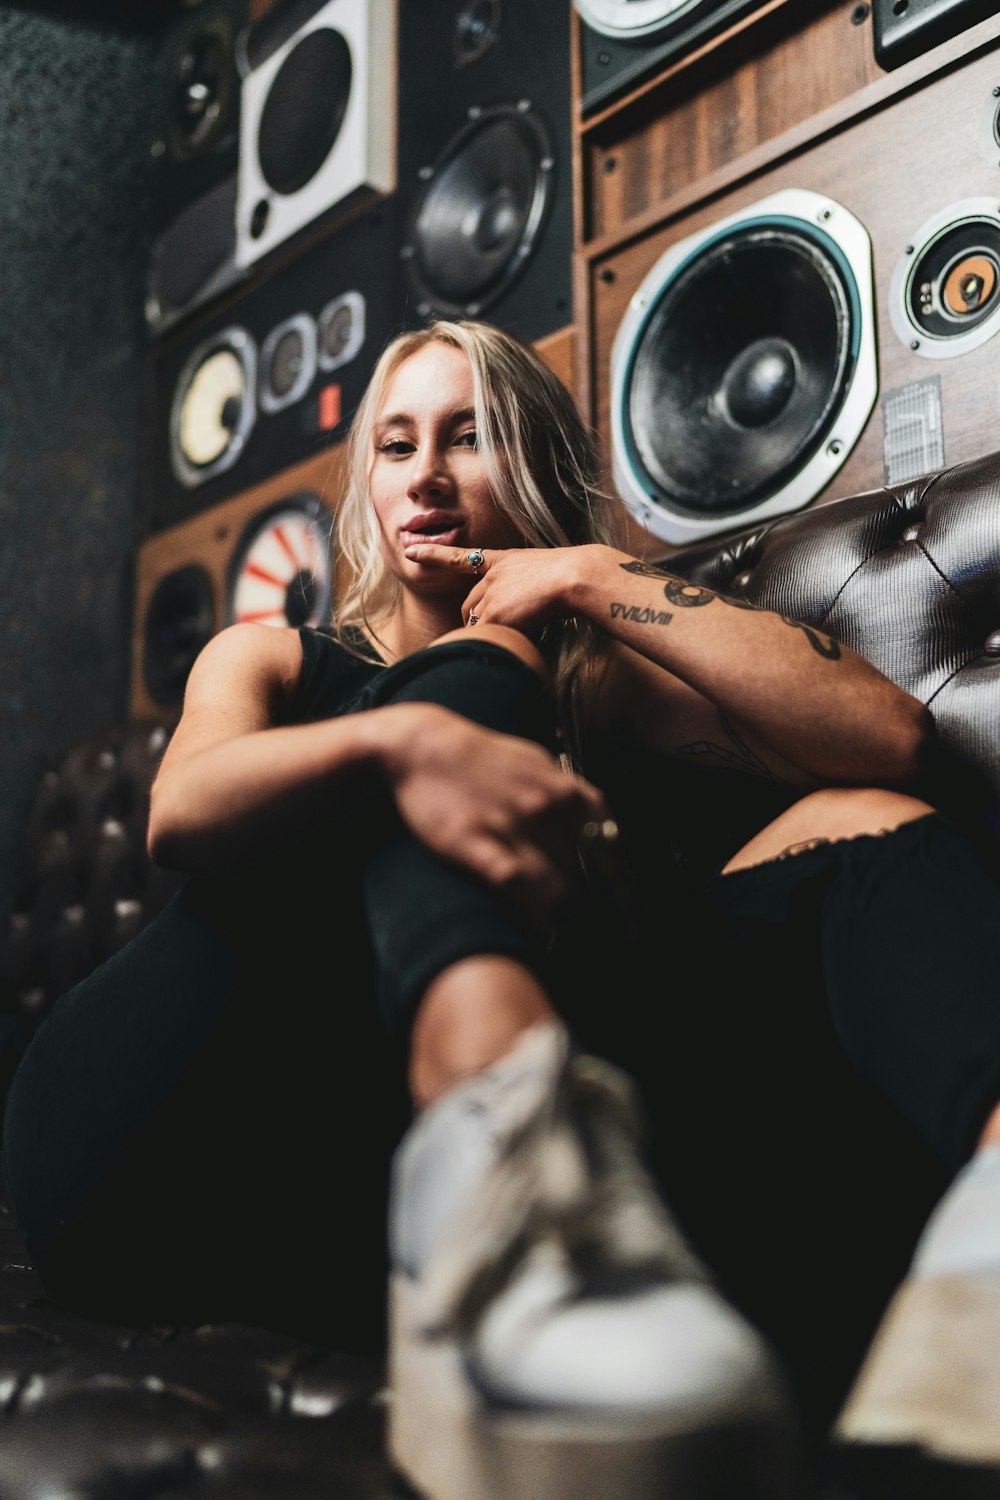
[{"x": 332, "y": 677}]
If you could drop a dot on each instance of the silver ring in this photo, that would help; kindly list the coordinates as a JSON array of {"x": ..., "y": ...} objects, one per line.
[{"x": 475, "y": 559}]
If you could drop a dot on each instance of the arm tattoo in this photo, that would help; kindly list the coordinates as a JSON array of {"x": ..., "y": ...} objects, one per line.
[
  {"x": 824, "y": 645},
  {"x": 685, "y": 595},
  {"x": 641, "y": 614},
  {"x": 737, "y": 756}
]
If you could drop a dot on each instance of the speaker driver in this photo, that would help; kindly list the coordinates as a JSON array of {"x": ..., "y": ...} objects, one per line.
[
  {"x": 636, "y": 18},
  {"x": 287, "y": 362},
  {"x": 180, "y": 620},
  {"x": 944, "y": 297},
  {"x": 734, "y": 366},
  {"x": 341, "y": 330},
  {"x": 304, "y": 110},
  {"x": 281, "y": 571},
  {"x": 478, "y": 220},
  {"x": 213, "y": 409},
  {"x": 202, "y": 90}
]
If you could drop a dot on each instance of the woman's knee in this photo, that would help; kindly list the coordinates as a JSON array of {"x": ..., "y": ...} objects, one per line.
[
  {"x": 829, "y": 814},
  {"x": 514, "y": 641}
]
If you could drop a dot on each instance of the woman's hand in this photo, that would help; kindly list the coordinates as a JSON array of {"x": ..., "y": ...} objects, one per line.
[
  {"x": 524, "y": 587},
  {"x": 501, "y": 806}
]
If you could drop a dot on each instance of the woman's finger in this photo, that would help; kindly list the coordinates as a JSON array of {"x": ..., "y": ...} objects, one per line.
[{"x": 471, "y": 560}]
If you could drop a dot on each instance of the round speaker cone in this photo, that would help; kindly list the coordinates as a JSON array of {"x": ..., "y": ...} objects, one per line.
[
  {"x": 179, "y": 622},
  {"x": 304, "y": 110},
  {"x": 955, "y": 280},
  {"x": 211, "y": 407},
  {"x": 281, "y": 571},
  {"x": 286, "y": 362},
  {"x": 479, "y": 218},
  {"x": 740, "y": 370},
  {"x": 337, "y": 331},
  {"x": 477, "y": 27}
]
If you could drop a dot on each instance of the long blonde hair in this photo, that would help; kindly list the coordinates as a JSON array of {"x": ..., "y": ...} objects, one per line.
[{"x": 545, "y": 471}]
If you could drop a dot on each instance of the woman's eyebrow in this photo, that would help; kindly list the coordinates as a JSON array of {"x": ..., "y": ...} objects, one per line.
[{"x": 406, "y": 419}]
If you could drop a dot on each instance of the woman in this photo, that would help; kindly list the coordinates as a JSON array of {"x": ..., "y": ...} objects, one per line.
[{"x": 390, "y": 806}]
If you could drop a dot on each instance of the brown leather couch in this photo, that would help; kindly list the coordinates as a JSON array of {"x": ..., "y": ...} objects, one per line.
[{"x": 909, "y": 575}]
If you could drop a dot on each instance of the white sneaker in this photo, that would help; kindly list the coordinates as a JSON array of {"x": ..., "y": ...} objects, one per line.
[{"x": 552, "y": 1336}]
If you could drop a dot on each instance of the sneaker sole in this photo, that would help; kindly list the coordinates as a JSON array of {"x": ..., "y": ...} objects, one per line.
[
  {"x": 931, "y": 1380},
  {"x": 451, "y": 1445}
]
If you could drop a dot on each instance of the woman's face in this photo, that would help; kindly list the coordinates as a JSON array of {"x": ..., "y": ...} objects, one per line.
[{"x": 427, "y": 477}]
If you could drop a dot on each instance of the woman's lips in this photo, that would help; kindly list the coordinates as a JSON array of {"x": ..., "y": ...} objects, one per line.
[{"x": 445, "y": 536}]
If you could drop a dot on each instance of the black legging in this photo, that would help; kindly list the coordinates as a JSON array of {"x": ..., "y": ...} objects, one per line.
[{"x": 202, "y": 1127}]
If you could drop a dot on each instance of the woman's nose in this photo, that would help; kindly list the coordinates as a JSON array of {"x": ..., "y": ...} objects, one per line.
[{"x": 429, "y": 474}]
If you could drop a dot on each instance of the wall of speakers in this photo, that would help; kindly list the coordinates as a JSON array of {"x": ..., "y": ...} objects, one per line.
[
  {"x": 485, "y": 162},
  {"x": 318, "y": 127},
  {"x": 266, "y": 555},
  {"x": 273, "y": 374},
  {"x": 623, "y": 42},
  {"x": 752, "y": 354}
]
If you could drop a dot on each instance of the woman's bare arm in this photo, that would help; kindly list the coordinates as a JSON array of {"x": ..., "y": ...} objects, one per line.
[
  {"x": 237, "y": 785},
  {"x": 701, "y": 673}
]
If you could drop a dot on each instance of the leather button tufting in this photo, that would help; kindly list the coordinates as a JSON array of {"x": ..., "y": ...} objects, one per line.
[
  {"x": 991, "y": 645},
  {"x": 912, "y": 532},
  {"x": 741, "y": 580}
]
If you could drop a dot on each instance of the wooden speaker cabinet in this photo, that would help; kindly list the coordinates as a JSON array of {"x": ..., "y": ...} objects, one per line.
[
  {"x": 788, "y": 271},
  {"x": 267, "y": 554}
]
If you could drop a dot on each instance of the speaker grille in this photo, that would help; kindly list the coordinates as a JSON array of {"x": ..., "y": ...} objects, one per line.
[
  {"x": 478, "y": 221},
  {"x": 304, "y": 110},
  {"x": 739, "y": 370}
]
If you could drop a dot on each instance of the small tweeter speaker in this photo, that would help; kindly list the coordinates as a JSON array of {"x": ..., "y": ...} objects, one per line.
[
  {"x": 317, "y": 124},
  {"x": 744, "y": 369},
  {"x": 944, "y": 297}
]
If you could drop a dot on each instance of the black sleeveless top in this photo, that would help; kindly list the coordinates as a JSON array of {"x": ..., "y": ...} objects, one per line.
[{"x": 332, "y": 677}]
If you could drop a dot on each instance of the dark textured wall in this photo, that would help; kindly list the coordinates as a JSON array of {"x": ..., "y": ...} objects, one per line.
[{"x": 76, "y": 125}]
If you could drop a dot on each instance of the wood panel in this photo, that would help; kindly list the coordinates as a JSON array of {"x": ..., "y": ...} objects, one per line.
[
  {"x": 789, "y": 64},
  {"x": 914, "y": 155}
]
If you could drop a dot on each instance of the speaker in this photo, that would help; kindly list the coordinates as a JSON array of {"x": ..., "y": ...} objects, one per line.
[
  {"x": 266, "y": 555},
  {"x": 318, "y": 129},
  {"x": 624, "y": 42},
  {"x": 905, "y": 28},
  {"x": 194, "y": 236},
  {"x": 824, "y": 325},
  {"x": 485, "y": 162},
  {"x": 744, "y": 369},
  {"x": 274, "y": 374}
]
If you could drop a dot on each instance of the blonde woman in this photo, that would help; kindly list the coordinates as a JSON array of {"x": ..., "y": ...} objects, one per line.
[{"x": 385, "y": 819}]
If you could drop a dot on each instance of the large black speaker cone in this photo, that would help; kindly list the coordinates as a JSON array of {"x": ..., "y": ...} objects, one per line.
[
  {"x": 740, "y": 370},
  {"x": 180, "y": 620},
  {"x": 479, "y": 219},
  {"x": 304, "y": 110}
]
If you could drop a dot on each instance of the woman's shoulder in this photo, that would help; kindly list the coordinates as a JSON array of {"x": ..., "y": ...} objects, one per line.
[{"x": 334, "y": 669}]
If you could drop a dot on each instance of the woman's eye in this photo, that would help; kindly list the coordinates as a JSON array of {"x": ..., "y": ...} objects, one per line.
[
  {"x": 396, "y": 446},
  {"x": 467, "y": 439}
]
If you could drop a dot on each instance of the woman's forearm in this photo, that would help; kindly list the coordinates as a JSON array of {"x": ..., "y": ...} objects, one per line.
[{"x": 815, "y": 702}]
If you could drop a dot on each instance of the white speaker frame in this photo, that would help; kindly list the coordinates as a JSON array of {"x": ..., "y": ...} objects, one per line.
[
  {"x": 637, "y": 18},
  {"x": 848, "y": 233},
  {"x": 363, "y": 157}
]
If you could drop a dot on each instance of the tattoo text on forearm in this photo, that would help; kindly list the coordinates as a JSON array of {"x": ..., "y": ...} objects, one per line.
[{"x": 685, "y": 595}]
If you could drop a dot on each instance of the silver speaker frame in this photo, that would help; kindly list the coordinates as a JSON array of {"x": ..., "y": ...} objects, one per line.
[
  {"x": 240, "y": 342},
  {"x": 851, "y": 237},
  {"x": 269, "y": 399},
  {"x": 916, "y": 338}
]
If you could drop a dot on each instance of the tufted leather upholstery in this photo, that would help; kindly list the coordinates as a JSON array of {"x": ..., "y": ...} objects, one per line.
[{"x": 908, "y": 575}]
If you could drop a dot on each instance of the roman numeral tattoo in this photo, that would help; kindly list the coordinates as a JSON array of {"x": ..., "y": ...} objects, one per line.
[{"x": 683, "y": 595}]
